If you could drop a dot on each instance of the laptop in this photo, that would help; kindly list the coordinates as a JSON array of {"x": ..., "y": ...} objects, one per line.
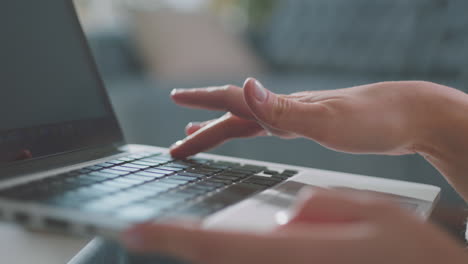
[{"x": 65, "y": 166}]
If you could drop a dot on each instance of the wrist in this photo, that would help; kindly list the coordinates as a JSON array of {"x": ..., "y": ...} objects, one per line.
[{"x": 443, "y": 136}]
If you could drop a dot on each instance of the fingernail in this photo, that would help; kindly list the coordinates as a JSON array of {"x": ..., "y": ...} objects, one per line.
[
  {"x": 176, "y": 91},
  {"x": 191, "y": 124},
  {"x": 175, "y": 145},
  {"x": 260, "y": 92}
]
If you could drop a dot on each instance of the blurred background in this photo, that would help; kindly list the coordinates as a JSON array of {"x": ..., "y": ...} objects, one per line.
[{"x": 145, "y": 48}]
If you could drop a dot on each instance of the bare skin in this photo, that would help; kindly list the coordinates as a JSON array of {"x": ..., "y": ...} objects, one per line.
[{"x": 391, "y": 118}]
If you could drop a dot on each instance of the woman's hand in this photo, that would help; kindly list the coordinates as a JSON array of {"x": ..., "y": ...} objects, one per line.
[
  {"x": 391, "y": 118},
  {"x": 329, "y": 227}
]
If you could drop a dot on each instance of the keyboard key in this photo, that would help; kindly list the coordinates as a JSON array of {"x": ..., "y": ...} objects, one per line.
[
  {"x": 116, "y": 172},
  {"x": 228, "y": 178},
  {"x": 204, "y": 171},
  {"x": 211, "y": 184},
  {"x": 182, "y": 178},
  {"x": 116, "y": 184},
  {"x": 235, "y": 174},
  {"x": 148, "y": 174},
  {"x": 197, "y": 160},
  {"x": 163, "y": 172},
  {"x": 166, "y": 182},
  {"x": 113, "y": 202},
  {"x": 196, "y": 191},
  {"x": 225, "y": 182},
  {"x": 126, "y": 159},
  {"x": 105, "y": 205},
  {"x": 179, "y": 164},
  {"x": 102, "y": 175},
  {"x": 204, "y": 187},
  {"x": 94, "y": 168},
  {"x": 115, "y": 162},
  {"x": 238, "y": 172},
  {"x": 140, "y": 177},
  {"x": 226, "y": 163},
  {"x": 158, "y": 185},
  {"x": 270, "y": 172},
  {"x": 126, "y": 182},
  {"x": 136, "y": 166},
  {"x": 124, "y": 168},
  {"x": 266, "y": 181},
  {"x": 85, "y": 193},
  {"x": 83, "y": 171},
  {"x": 137, "y": 156},
  {"x": 150, "y": 190},
  {"x": 179, "y": 196},
  {"x": 253, "y": 168},
  {"x": 143, "y": 163},
  {"x": 166, "y": 168},
  {"x": 189, "y": 174},
  {"x": 159, "y": 203},
  {"x": 153, "y": 162},
  {"x": 217, "y": 166},
  {"x": 290, "y": 172},
  {"x": 105, "y": 164},
  {"x": 104, "y": 188},
  {"x": 177, "y": 182},
  {"x": 158, "y": 159},
  {"x": 133, "y": 180},
  {"x": 280, "y": 177}
]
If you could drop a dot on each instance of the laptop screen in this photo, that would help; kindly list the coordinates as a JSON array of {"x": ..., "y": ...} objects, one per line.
[{"x": 52, "y": 99}]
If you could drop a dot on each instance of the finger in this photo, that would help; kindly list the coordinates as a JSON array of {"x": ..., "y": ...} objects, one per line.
[
  {"x": 195, "y": 126},
  {"x": 192, "y": 128},
  {"x": 283, "y": 113},
  {"x": 193, "y": 244},
  {"x": 214, "y": 134},
  {"x": 331, "y": 206},
  {"x": 299, "y": 245},
  {"x": 227, "y": 98}
]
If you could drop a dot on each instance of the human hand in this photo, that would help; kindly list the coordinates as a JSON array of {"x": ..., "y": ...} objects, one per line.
[
  {"x": 385, "y": 118},
  {"x": 391, "y": 118},
  {"x": 329, "y": 227}
]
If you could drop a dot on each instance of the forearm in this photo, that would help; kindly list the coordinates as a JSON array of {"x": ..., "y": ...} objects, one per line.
[{"x": 445, "y": 143}]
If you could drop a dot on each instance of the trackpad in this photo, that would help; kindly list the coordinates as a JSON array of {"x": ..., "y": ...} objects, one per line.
[
  {"x": 260, "y": 213},
  {"x": 271, "y": 208}
]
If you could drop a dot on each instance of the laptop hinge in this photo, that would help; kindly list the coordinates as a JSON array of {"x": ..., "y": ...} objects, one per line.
[{"x": 58, "y": 161}]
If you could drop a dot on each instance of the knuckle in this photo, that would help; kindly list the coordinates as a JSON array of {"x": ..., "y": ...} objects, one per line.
[{"x": 281, "y": 110}]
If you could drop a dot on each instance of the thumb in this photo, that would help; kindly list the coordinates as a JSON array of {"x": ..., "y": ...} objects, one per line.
[{"x": 280, "y": 113}]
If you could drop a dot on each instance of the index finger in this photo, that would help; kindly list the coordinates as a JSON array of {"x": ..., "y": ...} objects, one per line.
[
  {"x": 227, "y": 98},
  {"x": 214, "y": 134}
]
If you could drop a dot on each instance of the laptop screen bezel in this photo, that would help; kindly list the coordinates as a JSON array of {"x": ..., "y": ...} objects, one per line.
[{"x": 114, "y": 137}]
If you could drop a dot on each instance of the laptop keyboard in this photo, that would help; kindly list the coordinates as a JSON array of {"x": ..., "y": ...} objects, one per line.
[{"x": 147, "y": 186}]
